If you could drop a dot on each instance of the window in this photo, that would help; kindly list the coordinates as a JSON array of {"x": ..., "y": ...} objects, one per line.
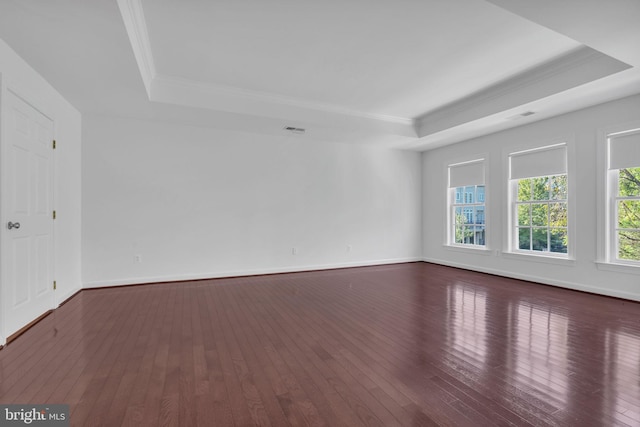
[
  {"x": 627, "y": 214},
  {"x": 623, "y": 183},
  {"x": 541, "y": 209},
  {"x": 466, "y": 215},
  {"x": 539, "y": 201},
  {"x": 468, "y": 218}
]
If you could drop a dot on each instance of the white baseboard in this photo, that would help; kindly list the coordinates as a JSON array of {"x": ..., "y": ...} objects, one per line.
[
  {"x": 236, "y": 273},
  {"x": 538, "y": 279}
]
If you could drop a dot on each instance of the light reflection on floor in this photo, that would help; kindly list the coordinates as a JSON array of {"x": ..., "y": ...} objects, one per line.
[{"x": 537, "y": 344}]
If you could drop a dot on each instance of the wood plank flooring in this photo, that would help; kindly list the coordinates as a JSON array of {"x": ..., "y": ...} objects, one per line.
[{"x": 400, "y": 345}]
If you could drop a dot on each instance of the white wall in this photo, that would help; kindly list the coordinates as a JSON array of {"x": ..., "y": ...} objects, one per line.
[
  {"x": 197, "y": 203},
  {"x": 19, "y": 77},
  {"x": 581, "y": 129}
]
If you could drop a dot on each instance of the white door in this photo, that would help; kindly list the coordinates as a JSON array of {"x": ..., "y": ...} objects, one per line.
[{"x": 27, "y": 234}]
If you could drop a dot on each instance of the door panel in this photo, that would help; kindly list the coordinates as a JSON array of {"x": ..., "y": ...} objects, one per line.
[
  {"x": 41, "y": 196},
  {"x": 43, "y": 133},
  {"x": 20, "y": 180},
  {"x": 27, "y": 256},
  {"x": 21, "y": 251},
  {"x": 41, "y": 265},
  {"x": 21, "y": 120}
]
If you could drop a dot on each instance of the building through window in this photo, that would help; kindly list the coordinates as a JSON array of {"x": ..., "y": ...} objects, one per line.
[{"x": 466, "y": 208}]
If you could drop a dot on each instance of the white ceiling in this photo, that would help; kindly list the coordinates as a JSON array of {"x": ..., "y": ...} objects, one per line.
[
  {"x": 408, "y": 73},
  {"x": 397, "y": 58}
]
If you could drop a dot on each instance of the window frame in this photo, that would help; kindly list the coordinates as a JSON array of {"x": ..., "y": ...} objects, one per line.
[
  {"x": 452, "y": 203},
  {"x": 615, "y": 198},
  {"x": 608, "y": 197},
  {"x": 515, "y": 226},
  {"x": 468, "y": 203},
  {"x": 508, "y": 248}
]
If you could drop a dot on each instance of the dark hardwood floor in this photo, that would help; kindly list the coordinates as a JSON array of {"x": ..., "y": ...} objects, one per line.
[{"x": 400, "y": 345}]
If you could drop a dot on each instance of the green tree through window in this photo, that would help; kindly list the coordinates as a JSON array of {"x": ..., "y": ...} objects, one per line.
[
  {"x": 541, "y": 210},
  {"x": 628, "y": 214}
]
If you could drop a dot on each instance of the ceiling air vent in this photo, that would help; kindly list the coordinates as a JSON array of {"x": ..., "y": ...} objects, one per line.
[
  {"x": 295, "y": 130},
  {"x": 521, "y": 115}
]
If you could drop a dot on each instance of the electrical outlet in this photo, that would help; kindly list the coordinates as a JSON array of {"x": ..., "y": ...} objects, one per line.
[
  {"x": 349, "y": 248},
  {"x": 294, "y": 251},
  {"x": 137, "y": 259}
]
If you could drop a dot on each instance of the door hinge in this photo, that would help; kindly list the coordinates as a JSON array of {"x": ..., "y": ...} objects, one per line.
[
  {"x": 54, "y": 215},
  {"x": 55, "y": 285},
  {"x": 54, "y": 144}
]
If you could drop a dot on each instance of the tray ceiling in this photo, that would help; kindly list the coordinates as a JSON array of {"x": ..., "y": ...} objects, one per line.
[{"x": 411, "y": 74}]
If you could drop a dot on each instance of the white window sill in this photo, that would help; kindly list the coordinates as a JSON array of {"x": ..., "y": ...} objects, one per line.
[
  {"x": 539, "y": 257},
  {"x": 618, "y": 268},
  {"x": 469, "y": 249}
]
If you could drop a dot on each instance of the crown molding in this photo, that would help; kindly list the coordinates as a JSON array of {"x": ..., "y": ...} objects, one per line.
[
  {"x": 163, "y": 88},
  {"x": 214, "y": 96},
  {"x": 576, "y": 68},
  {"x": 136, "y": 26},
  {"x": 539, "y": 73}
]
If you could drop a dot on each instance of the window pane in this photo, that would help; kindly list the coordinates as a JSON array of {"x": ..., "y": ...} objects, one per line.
[
  {"x": 559, "y": 187},
  {"x": 524, "y": 214},
  {"x": 459, "y": 193},
  {"x": 480, "y": 235},
  {"x": 539, "y": 239},
  {"x": 539, "y": 214},
  {"x": 468, "y": 235},
  {"x": 524, "y": 238},
  {"x": 629, "y": 182},
  {"x": 459, "y": 234},
  {"x": 468, "y": 215},
  {"x": 558, "y": 214},
  {"x": 469, "y": 194},
  {"x": 540, "y": 188},
  {"x": 559, "y": 240},
  {"x": 479, "y": 215},
  {"x": 480, "y": 193},
  {"x": 524, "y": 190},
  {"x": 460, "y": 218},
  {"x": 629, "y": 245},
  {"x": 628, "y": 213}
]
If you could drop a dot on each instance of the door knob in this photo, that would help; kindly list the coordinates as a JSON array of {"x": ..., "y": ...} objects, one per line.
[{"x": 13, "y": 225}]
